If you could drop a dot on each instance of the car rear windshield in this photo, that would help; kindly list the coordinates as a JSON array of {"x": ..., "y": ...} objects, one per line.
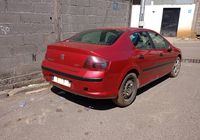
[{"x": 100, "y": 37}]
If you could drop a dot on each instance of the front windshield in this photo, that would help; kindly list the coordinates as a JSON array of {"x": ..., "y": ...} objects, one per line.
[{"x": 100, "y": 37}]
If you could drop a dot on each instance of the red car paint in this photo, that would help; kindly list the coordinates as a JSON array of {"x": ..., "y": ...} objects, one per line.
[{"x": 67, "y": 60}]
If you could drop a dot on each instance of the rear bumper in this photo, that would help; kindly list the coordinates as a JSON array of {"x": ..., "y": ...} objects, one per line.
[
  {"x": 97, "y": 88},
  {"x": 72, "y": 76}
]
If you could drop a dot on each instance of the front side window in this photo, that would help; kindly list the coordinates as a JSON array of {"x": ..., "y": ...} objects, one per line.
[
  {"x": 100, "y": 37},
  {"x": 158, "y": 41},
  {"x": 141, "y": 40}
]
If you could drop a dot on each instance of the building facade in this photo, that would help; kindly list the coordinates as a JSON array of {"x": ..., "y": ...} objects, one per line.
[{"x": 175, "y": 18}]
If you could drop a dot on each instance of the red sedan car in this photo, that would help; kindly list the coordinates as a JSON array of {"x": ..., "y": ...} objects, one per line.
[{"x": 110, "y": 63}]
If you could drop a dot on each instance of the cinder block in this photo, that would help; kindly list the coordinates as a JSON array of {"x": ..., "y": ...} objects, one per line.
[
  {"x": 80, "y": 19},
  {"x": 43, "y": 8},
  {"x": 79, "y": 27},
  {"x": 25, "y": 49},
  {"x": 100, "y": 19},
  {"x": 2, "y": 5},
  {"x": 76, "y": 10},
  {"x": 9, "y": 18},
  {"x": 6, "y": 51},
  {"x": 20, "y": 7},
  {"x": 124, "y": 6},
  {"x": 29, "y": 58},
  {"x": 94, "y": 3},
  {"x": 36, "y": 18},
  {"x": 65, "y": 9},
  {"x": 34, "y": 39},
  {"x": 102, "y": 4},
  {"x": 11, "y": 40},
  {"x": 100, "y": 12},
  {"x": 6, "y": 64},
  {"x": 110, "y": 12},
  {"x": 92, "y": 19},
  {"x": 22, "y": 28},
  {"x": 48, "y": 1},
  {"x": 66, "y": 18},
  {"x": 74, "y": 2},
  {"x": 43, "y": 28},
  {"x": 90, "y": 11},
  {"x": 75, "y": 28},
  {"x": 67, "y": 2},
  {"x": 90, "y": 26},
  {"x": 32, "y": 28},
  {"x": 84, "y": 3},
  {"x": 18, "y": 60},
  {"x": 39, "y": 0},
  {"x": 66, "y": 27},
  {"x": 19, "y": 1}
]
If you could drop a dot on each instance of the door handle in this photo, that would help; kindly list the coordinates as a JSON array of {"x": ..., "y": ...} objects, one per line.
[
  {"x": 161, "y": 54},
  {"x": 141, "y": 56}
]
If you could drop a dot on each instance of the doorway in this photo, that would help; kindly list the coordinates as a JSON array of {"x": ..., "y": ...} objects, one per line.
[{"x": 170, "y": 21}]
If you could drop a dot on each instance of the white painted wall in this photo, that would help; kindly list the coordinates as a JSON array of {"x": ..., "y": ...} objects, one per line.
[
  {"x": 153, "y": 16},
  {"x": 186, "y": 16}
]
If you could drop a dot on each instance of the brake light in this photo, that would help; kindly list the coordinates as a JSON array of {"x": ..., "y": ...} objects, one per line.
[{"x": 96, "y": 63}]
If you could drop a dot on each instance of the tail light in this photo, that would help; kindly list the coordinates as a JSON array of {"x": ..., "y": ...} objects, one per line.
[{"x": 96, "y": 63}]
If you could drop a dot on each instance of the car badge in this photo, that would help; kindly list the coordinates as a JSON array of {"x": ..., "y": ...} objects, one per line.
[{"x": 62, "y": 56}]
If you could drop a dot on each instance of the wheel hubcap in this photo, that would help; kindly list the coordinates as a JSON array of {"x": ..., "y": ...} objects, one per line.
[
  {"x": 177, "y": 66},
  {"x": 129, "y": 88}
]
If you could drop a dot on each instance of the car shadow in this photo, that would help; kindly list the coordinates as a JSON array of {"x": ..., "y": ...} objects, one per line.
[
  {"x": 151, "y": 85},
  {"x": 103, "y": 104}
]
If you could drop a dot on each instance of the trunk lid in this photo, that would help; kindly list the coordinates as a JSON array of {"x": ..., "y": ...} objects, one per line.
[{"x": 71, "y": 53}]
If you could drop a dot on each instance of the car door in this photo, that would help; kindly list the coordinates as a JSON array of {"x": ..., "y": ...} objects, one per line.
[
  {"x": 165, "y": 55},
  {"x": 144, "y": 56}
]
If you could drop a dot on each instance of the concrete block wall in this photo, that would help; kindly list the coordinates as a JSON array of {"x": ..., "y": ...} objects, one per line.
[
  {"x": 197, "y": 24},
  {"x": 78, "y": 15},
  {"x": 27, "y": 26}
]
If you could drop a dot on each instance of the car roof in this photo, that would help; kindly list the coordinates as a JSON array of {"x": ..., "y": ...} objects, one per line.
[{"x": 123, "y": 28}]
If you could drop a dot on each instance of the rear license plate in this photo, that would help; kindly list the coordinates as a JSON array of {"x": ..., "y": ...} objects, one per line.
[{"x": 61, "y": 81}]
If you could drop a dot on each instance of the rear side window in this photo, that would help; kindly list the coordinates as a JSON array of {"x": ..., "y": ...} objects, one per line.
[
  {"x": 90, "y": 37},
  {"x": 158, "y": 41},
  {"x": 101, "y": 37},
  {"x": 141, "y": 40}
]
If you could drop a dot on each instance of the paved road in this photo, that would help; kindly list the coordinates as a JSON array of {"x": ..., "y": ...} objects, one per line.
[
  {"x": 166, "y": 109},
  {"x": 190, "y": 48}
]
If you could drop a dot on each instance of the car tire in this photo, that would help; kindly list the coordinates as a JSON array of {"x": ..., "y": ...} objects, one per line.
[
  {"x": 127, "y": 91},
  {"x": 176, "y": 67}
]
